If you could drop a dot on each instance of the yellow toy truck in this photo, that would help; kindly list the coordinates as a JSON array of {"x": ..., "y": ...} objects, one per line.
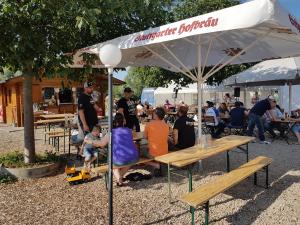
[{"x": 77, "y": 176}]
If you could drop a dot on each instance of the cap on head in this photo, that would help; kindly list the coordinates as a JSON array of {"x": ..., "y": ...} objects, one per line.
[
  {"x": 127, "y": 90},
  {"x": 270, "y": 97},
  {"x": 88, "y": 84}
]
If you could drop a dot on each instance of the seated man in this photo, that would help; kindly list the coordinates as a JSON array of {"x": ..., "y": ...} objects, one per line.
[
  {"x": 183, "y": 130},
  {"x": 218, "y": 124},
  {"x": 269, "y": 121},
  {"x": 237, "y": 116},
  {"x": 157, "y": 132}
]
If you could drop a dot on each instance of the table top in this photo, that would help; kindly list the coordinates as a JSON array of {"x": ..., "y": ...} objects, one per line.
[
  {"x": 57, "y": 116},
  {"x": 48, "y": 121},
  {"x": 288, "y": 120},
  {"x": 137, "y": 136},
  {"x": 190, "y": 155}
]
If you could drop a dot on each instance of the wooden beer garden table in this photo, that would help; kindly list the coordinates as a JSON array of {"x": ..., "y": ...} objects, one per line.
[
  {"x": 187, "y": 157},
  {"x": 49, "y": 122},
  {"x": 56, "y": 116}
]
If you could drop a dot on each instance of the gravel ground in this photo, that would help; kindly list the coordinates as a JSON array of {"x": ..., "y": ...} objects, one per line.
[{"x": 52, "y": 201}]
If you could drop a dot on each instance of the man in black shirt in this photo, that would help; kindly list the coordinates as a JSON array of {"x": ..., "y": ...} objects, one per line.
[
  {"x": 255, "y": 117},
  {"x": 183, "y": 131},
  {"x": 127, "y": 107},
  {"x": 87, "y": 109}
]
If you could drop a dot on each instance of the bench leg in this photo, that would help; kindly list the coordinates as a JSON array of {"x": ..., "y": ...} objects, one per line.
[
  {"x": 106, "y": 179},
  {"x": 255, "y": 178},
  {"x": 206, "y": 208},
  {"x": 169, "y": 183},
  {"x": 192, "y": 210},
  {"x": 228, "y": 161},
  {"x": 247, "y": 152},
  {"x": 190, "y": 175},
  {"x": 267, "y": 176}
]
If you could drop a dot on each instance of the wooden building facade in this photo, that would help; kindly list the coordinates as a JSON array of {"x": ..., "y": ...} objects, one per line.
[{"x": 57, "y": 95}]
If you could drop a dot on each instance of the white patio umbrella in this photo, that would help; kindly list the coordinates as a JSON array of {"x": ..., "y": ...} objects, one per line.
[
  {"x": 250, "y": 32},
  {"x": 276, "y": 72}
]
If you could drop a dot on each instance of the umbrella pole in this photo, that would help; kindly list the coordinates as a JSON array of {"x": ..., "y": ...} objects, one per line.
[
  {"x": 290, "y": 98},
  {"x": 199, "y": 109},
  {"x": 110, "y": 147}
]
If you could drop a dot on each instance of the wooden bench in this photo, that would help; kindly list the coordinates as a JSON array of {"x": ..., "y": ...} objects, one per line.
[
  {"x": 104, "y": 168},
  {"x": 202, "y": 195},
  {"x": 55, "y": 135}
]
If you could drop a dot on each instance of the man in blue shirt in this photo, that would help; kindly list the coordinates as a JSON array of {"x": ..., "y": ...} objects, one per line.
[
  {"x": 255, "y": 117},
  {"x": 237, "y": 115}
]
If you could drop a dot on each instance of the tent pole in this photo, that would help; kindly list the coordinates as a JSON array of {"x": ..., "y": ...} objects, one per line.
[
  {"x": 290, "y": 98},
  {"x": 245, "y": 97},
  {"x": 110, "y": 147},
  {"x": 199, "y": 86}
]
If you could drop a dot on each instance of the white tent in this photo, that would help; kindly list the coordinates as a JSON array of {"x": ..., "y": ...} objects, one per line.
[
  {"x": 189, "y": 93},
  {"x": 250, "y": 32},
  {"x": 277, "y": 72}
]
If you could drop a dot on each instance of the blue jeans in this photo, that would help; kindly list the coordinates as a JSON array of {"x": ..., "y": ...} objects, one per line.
[{"x": 255, "y": 120}]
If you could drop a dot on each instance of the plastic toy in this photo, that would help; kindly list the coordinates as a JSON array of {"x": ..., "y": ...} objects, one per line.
[{"x": 77, "y": 176}]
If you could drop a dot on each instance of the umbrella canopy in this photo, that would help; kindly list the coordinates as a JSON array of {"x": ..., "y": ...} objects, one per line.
[
  {"x": 250, "y": 32},
  {"x": 275, "y": 72}
]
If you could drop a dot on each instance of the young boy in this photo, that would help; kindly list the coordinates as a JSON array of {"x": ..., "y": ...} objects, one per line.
[{"x": 89, "y": 151}]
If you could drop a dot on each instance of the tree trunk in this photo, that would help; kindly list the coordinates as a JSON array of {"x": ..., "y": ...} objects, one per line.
[{"x": 29, "y": 145}]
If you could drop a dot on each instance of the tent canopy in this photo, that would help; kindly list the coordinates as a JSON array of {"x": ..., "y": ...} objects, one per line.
[{"x": 271, "y": 72}]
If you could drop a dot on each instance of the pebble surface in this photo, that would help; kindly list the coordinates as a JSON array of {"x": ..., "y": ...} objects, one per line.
[{"x": 52, "y": 200}]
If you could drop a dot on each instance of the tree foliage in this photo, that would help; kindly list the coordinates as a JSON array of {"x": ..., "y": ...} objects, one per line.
[{"x": 37, "y": 34}]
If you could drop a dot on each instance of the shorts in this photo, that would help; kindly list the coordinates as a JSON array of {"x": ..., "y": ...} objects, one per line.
[
  {"x": 76, "y": 140},
  {"x": 296, "y": 128},
  {"x": 89, "y": 153}
]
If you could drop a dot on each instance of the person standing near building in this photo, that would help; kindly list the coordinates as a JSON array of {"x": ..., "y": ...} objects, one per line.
[
  {"x": 127, "y": 107},
  {"x": 256, "y": 117},
  {"x": 87, "y": 109}
]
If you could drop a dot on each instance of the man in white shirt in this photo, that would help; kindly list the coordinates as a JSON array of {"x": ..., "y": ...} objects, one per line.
[{"x": 218, "y": 126}]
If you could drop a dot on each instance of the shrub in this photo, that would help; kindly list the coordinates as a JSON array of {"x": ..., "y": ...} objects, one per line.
[{"x": 16, "y": 159}]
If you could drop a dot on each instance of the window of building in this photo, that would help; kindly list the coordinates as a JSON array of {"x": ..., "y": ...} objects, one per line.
[
  {"x": 65, "y": 95},
  {"x": 48, "y": 92}
]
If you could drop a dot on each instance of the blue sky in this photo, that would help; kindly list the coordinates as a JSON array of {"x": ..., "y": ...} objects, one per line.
[{"x": 292, "y": 6}]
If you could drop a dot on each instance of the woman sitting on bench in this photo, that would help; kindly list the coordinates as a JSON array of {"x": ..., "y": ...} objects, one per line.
[{"x": 124, "y": 150}]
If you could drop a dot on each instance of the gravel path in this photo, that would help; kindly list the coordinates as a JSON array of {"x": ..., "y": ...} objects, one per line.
[{"x": 52, "y": 201}]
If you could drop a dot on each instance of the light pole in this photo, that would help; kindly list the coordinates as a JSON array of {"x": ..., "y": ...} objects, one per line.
[{"x": 110, "y": 55}]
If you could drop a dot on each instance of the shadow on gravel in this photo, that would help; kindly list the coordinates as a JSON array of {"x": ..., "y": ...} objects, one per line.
[{"x": 260, "y": 200}]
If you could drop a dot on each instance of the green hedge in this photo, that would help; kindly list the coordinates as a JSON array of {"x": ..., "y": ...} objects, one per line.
[{"x": 16, "y": 159}]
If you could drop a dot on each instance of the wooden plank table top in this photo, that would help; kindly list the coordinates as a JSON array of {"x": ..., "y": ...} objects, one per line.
[
  {"x": 49, "y": 121},
  {"x": 57, "y": 116},
  {"x": 288, "y": 120},
  {"x": 190, "y": 155},
  {"x": 137, "y": 136}
]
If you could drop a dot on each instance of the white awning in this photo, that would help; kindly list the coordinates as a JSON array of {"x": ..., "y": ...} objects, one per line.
[{"x": 271, "y": 72}]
